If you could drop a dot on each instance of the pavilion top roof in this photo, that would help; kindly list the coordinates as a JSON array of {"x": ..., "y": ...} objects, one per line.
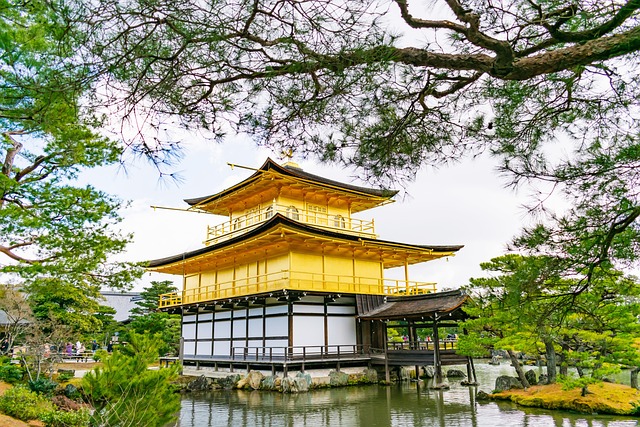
[{"x": 271, "y": 179}]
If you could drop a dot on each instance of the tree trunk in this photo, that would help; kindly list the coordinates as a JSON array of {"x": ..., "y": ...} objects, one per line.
[
  {"x": 580, "y": 371},
  {"x": 516, "y": 364},
  {"x": 551, "y": 361},
  {"x": 634, "y": 377},
  {"x": 564, "y": 361}
]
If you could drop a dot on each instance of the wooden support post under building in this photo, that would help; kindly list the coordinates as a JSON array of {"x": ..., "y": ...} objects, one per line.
[
  {"x": 473, "y": 370},
  {"x": 436, "y": 354},
  {"x": 181, "y": 354},
  {"x": 413, "y": 333},
  {"x": 387, "y": 377}
]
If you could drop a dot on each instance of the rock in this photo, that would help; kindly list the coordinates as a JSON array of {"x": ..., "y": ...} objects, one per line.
[
  {"x": 338, "y": 379},
  {"x": 303, "y": 381},
  {"x": 530, "y": 375},
  {"x": 495, "y": 360},
  {"x": 429, "y": 371},
  {"x": 199, "y": 384},
  {"x": 230, "y": 382},
  {"x": 455, "y": 373},
  {"x": 63, "y": 403},
  {"x": 505, "y": 382},
  {"x": 243, "y": 383},
  {"x": 482, "y": 395},
  {"x": 271, "y": 382},
  {"x": 406, "y": 373},
  {"x": 441, "y": 386},
  {"x": 544, "y": 379},
  {"x": 371, "y": 375},
  {"x": 254, "y": 379},
  {"x": 289, "y": 385},
  {"x": 499, "y": 353}
]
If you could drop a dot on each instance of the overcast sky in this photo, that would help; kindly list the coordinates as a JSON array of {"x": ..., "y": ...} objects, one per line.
[{"x": 463, "y": 204}]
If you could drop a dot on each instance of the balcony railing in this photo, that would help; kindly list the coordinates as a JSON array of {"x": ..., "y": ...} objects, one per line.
[
  {"x": 244, "y": 223},
  {"x": 299, "y": 281}
]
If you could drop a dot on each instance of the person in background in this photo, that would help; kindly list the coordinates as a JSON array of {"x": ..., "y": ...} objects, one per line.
[
  {"x": 79, "y": 347},
  {"x": 110, "y": 346},
  {"x": 94, "y": 346},
  {"x": 68, "y": 349}
]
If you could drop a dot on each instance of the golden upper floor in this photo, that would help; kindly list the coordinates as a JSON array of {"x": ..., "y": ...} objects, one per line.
[{"x": 294, "y": 193}]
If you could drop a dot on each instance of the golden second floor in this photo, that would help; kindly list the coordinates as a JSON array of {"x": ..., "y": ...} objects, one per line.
[{"x": 322, "y": 216}]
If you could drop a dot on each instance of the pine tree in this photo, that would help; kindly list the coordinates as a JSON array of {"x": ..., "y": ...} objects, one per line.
[{"x": 125, "y": 392}]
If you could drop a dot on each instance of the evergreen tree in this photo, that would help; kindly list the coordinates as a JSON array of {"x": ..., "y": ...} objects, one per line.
[
  {"x": 56, "y": 238},
  {"x": 147, "y": 318},
  {"x": 521, "y": 80},
  {"x": 125, "y": 392},
  {"x": 531, "y": 306}
]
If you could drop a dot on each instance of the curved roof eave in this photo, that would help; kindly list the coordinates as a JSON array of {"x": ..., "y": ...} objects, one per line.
[
  {"x": 279, "y": 219},
  {"x": 416, "y": 307},
  {"x": 295, "y": 173}
]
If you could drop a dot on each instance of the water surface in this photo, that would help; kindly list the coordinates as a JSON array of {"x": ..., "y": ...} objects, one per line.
[{"x": 405, "y": 404}]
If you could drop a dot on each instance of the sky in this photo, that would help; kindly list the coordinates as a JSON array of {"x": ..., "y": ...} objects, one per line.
[{"x": 463, "y": 204}]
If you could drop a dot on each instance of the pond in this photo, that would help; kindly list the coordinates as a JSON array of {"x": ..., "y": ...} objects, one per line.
[{"x": 404, "y": 404}]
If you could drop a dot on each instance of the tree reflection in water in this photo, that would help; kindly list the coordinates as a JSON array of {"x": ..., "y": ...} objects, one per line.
[{"x": 371, "y": 406}]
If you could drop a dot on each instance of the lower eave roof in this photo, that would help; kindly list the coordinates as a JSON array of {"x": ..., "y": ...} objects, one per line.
[
  {"x": 278, "y": 220},
  {"x": 444, "y": 305}
]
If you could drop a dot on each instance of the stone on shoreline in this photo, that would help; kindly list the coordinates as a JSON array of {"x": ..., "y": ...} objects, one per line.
[{"x": 505, "y": 382}]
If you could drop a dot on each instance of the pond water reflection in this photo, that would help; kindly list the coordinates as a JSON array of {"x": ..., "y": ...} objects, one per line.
[{"x": 399, "y": 405}]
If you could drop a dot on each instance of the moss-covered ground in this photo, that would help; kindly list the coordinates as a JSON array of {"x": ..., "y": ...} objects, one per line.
[{"x": 603, "y": 398}]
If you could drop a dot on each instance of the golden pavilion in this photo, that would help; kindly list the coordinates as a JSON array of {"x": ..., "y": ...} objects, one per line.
[{"x": 292, "y": 277}]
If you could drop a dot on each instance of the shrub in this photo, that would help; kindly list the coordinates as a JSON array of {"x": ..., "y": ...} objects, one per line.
[
  {"x": 54, "y": 418},
  {"x": 100, "y": 355},
  {"x": 43, "y": 386},
  {"x": 20, "y": 403},
  {"x": 9, "y": 372},
  {"x": 125, "y": 392},
  {"x": 63, "y": 377}
]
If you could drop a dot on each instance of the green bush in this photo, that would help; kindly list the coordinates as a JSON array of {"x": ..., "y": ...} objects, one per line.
[
  {"x": 43, "y": 386},
  {"x": 20, "y": 403},
  {"x": 125, "y": 392},
  {"x": 65, "y": 376},
  {"x": 10, "y": 373},
  {"x": 100, "y": 355},
  {"x": 56, "y": 418}
]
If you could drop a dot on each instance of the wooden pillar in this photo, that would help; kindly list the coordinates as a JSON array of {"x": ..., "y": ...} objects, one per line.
[
  {"x": 387, "y": 377},
  {"x": 181, "y": 353},
  {"x": 290, "y": 328},
  {"x": 413, "y": 339},
  {"x": 473, "y": 370},
  {"x": 436, "y": 352}
]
